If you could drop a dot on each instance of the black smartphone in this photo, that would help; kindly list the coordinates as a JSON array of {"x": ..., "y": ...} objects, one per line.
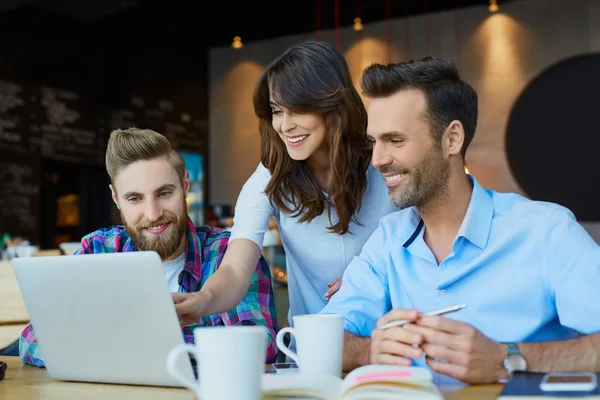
[
  {"x": 279, "y": 367},
  {"x": 2, "y": 370}
]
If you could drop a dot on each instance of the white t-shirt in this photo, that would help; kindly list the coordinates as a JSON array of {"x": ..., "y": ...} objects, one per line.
[
  {"x": 314, "y": 255},
  {"x": 172, "y": 269}
]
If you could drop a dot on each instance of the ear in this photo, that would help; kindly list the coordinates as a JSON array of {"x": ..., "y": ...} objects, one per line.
[
  {"x": 454, "y": 137},
  {"x": 114, "y": 195},
  {"x": 186, "y": 183}
]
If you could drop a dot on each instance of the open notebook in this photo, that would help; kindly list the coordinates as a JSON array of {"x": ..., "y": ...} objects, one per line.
[{"x": 367, "y": 382}]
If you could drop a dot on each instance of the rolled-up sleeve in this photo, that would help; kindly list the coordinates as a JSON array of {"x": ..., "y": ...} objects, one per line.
[
  {"x": 572, "y": 259},
  {"x": 29, "y": 350}
]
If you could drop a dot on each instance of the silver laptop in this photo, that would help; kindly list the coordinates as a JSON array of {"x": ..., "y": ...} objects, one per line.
[{"x": 102, "y": 317}]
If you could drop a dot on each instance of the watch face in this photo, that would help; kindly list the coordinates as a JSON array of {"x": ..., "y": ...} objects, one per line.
[{"x": 515, "y": 362}]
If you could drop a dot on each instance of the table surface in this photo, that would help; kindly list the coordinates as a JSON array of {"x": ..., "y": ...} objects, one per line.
[
  {"x": 25, "y": 382},
  {"x": 12, "y": 306}
]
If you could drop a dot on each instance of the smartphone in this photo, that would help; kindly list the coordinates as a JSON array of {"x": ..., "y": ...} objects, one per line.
[
  {"x": 269, "y": 369},
  {"x": 285, "y": 367},
  {"x": 569, "y": 382}
]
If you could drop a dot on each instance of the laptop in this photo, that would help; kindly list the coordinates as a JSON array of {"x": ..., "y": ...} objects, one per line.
[{"x": 103, "y": 317}]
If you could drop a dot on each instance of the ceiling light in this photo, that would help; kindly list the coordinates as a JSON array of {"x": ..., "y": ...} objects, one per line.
[
  {"x": 493, "y": 6},
  {"x": 358, "y": 26},
  {"x": 237, "y": 42}
]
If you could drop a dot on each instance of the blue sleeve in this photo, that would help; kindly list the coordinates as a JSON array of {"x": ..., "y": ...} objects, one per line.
[
  {"x": 572, "y": 258},
  {"x": 364, "y": 296}
]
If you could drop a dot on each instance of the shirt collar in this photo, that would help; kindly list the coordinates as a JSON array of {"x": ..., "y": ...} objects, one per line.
[
  {"x": 414, "y": 227},
  {"x": 477, "y": 223}
]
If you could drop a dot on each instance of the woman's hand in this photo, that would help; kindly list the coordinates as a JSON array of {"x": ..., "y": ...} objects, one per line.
[{"x": 333, "y": 286}]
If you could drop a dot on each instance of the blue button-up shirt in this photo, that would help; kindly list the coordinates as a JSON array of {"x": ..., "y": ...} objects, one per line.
[{"x": 526, "y": 270}]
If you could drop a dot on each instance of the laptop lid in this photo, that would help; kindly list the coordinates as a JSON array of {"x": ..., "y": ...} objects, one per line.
[{"x": 102, "y": 317}]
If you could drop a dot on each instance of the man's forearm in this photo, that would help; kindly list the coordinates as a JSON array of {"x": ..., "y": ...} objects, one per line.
[
  {"x": 357, "y": 351},
  {"x": 579, "y": 354}
]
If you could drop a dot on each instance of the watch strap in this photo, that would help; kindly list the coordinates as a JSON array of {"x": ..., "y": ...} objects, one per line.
[
  {"x": 513, "y": 354},
  {"x": 512, "y": 349}
]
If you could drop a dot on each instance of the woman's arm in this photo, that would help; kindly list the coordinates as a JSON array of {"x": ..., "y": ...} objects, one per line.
[
  {"x": 229, "y": 284},
  {"x": 225, "y": 289}
]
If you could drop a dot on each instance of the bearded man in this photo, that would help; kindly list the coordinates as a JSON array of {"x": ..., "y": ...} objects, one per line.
[
  {"x": 149, "y": 185},
  {"x": 525, "y": 269}
]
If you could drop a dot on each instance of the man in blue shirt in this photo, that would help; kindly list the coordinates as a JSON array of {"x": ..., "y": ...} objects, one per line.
[{"x": 527, "y": 271}]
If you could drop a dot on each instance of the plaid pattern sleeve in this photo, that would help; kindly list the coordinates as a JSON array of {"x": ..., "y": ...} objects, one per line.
[
  {"x": 29, "y": 351},
  {"x": 256, "y": 308},
  {"x": 109, "y": 240}
]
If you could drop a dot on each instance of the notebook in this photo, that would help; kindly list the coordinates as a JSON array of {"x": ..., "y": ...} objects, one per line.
[
  {"x": 367, "y": 382},
  {"x": 526, "y": 386}
]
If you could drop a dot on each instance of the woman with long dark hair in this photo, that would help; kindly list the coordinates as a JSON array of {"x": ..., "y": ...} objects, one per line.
[{"x": 314, "y": 177}]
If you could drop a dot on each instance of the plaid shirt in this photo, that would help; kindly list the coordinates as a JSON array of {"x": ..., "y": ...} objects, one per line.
[{"x": 204, "y": 253}]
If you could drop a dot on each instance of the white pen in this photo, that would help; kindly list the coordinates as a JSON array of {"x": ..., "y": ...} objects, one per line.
[{"x": 427, "y": 314}]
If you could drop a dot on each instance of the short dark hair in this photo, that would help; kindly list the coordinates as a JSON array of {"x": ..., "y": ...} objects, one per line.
[{"x": 448, "y": 97}]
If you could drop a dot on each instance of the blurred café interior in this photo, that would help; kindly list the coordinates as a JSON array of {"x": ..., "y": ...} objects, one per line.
[{"x": 72, "y": 71}]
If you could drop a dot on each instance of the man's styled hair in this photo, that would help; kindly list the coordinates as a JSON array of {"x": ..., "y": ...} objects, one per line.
[
  {"x": 448, "y": 97},
  {"x": 127, "y": 146}
]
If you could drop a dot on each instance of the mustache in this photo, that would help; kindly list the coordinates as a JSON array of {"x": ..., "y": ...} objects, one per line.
[
  {"x": 147, "y": 224},
  {"x": 393, "y": 170}
]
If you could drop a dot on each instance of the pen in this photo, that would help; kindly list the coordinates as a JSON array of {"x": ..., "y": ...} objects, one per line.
[{"x": 441, "y": 311}]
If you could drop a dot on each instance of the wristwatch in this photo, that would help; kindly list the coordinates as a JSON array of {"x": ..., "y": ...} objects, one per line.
[{"x": 514, "y": 360}]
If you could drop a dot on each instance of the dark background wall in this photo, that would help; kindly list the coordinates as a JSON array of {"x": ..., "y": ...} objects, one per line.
[{"x": 64, "y": 85}]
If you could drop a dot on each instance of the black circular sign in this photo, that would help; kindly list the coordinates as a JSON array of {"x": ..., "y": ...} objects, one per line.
[{"x": 553, "y": 136}]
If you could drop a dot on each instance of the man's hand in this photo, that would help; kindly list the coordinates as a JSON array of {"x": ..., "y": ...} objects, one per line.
[
  {"x": 190, "y": 306},
  {"x": 395, "y": 345},
  {"x": 333, "y": 287},
  {"x": 459, "y": 350}
]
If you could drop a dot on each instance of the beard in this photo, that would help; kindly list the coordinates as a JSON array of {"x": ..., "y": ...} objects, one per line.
[
  {"x": 164, "y": 244},
  {"x": 424, "y": 182}
]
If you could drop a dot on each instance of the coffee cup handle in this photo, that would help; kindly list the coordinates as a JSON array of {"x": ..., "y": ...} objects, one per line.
[
  {"x": 172, "y": 358},
  {"x": 283, "y": 347}
]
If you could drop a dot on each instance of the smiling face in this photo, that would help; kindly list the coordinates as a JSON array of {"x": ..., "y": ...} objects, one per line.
[
  {"x": 151, "y": 198},
  {"x": 414, "y": 167},
  {"x": 303, "y": 134}
]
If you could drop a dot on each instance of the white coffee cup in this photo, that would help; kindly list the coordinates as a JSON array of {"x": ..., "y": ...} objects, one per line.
[
  {"x": 230, "y": 362},
  {"x": 319, "y": 343}
]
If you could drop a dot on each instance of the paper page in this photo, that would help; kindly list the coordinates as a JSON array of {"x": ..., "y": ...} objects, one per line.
[
  {"x": 390, "y": 382},
  {"x": 393, "y": 391},
  {"x": 317, "y": 386}
]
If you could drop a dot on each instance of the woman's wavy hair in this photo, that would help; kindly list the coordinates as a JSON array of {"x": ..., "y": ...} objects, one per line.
[{"x": 313, "y": 77}]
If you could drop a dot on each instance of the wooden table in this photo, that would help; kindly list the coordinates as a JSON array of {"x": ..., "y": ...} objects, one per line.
[
  {"x": 24, "y": 382},
  {"x": 13, "y": 314},
  {"x": 12, "y": 306}
]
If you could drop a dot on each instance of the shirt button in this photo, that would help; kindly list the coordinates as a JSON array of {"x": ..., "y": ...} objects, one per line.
[{"x": 442, "y": 292}]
